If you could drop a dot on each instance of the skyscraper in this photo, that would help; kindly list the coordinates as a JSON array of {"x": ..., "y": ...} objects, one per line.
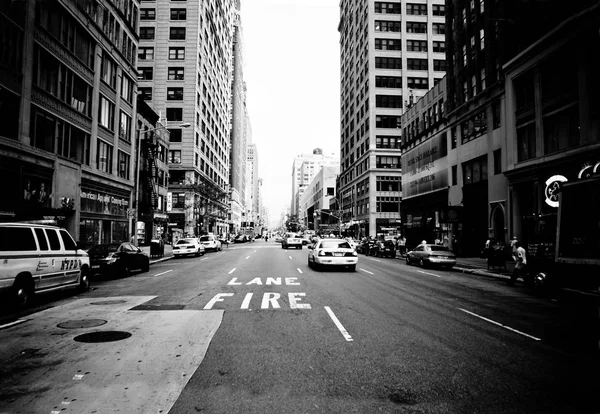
[
  {"x": 186, "y": 67},
  {"x": 391, "y": 54}
]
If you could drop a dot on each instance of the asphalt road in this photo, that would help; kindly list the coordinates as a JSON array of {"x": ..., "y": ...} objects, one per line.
[{"x": 261, "y": 332}]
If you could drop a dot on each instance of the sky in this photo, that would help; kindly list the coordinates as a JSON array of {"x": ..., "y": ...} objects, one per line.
[{"x": 292, "y": 74}]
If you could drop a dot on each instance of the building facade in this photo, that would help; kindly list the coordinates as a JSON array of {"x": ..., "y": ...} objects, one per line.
[
  {"x": 67, "y": 99},
  {"x": 185, "y": 62},
  {"x": 304, "y": 169},
  {"x": 316, "y": 199},
  {"x": 391, "y": 53},
  {"x": 252, "y": 213}
]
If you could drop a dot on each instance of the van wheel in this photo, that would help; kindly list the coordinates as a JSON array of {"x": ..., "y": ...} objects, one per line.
[
  {"x": 23, "y": 292},
  {"x": 84, "y": 280}
]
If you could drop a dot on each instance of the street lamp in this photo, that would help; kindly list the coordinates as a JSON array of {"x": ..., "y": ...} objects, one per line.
[{"x": 135, "y": 211}]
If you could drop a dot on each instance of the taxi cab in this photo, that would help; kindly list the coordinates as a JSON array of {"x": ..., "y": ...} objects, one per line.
[{"x": 39, "y": 258}]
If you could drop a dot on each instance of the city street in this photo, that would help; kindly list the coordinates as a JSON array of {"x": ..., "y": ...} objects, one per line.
[{"x": 253, "y": 329}]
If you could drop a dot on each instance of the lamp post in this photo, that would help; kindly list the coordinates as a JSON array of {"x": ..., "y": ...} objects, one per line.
[{"x": 135, "y": 210}]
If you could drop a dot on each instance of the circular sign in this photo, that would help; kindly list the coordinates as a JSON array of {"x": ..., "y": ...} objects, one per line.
[{"x": 553, "y": 188}]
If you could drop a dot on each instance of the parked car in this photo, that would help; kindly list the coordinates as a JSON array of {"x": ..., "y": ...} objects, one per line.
[
  {"x": 211, "y": 242},
  {"x": 291, "y": 240},
  {"x": 117, "y": 259},
  {"x": 39, "y": 258},
  {"x": 278, "y": 238},
  {"x": 332, "y": 252},
  {"x": 385, "y": 248},
  {"x": 240, "y": 238},
  {"x": 188, "y": 246},
  {"x": 431, "y": 255}
]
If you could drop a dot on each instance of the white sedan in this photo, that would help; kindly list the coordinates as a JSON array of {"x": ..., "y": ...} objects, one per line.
[
  {"x": 187, "y": 246},
  {"x": 332, "y": 252},
  {"x": 210, "y": 242}
]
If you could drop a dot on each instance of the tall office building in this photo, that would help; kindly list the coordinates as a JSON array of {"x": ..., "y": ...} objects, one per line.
[
  {"x": 391, "y": 53},
  {"x": 252, "y": 185},
  {"x": 304, "y": 169},
  {"x": 185, "y": 62},
  {"x": 67, "y": 104}
]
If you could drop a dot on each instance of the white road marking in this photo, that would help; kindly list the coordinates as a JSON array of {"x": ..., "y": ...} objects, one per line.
[
  {"x": 246, "y": 302},
  {"x": 204, "y": 258},
  {"x": 254, "y": 251},
  {"x": 231, "y": 271},
  {"x": 17, "y": 322},
  {"x": 375, "y": 260},
  {"x": 290, "y": 257},
  {"x": 499, "y": 324},
  {"x": 298, "y": 269},
  {"x": 371, "y": 273},
  {"x": 338, "y": 324},
  {"x": 426, "y": 273},
  {"x": 78, "y": 377},
  {"x": 162, "y": 273},
  {"x": 247, "y": 257}
]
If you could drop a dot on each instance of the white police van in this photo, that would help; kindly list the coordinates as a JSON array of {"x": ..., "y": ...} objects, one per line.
[{"x": 39, "y": 258}]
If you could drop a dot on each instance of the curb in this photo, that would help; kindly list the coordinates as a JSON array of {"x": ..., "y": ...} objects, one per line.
[{"x": 162, "y": 259}]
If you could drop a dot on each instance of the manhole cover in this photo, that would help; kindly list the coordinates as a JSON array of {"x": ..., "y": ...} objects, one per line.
[
  {"x": 81, "y": 323},
  {"x": 108, "y": 302},
  {"x": 102, "y": 336}
]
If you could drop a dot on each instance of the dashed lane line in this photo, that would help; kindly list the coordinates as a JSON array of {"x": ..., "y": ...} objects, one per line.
[
  {"x": 366, "y": 271},
  {"x": 162, "y": 273},
  {"x": 499, "y": 324},
  {"x": 247, "y": 257},
  {"x": 338, "y": 324},
  {"x": 298, "y": 269},
  {"x": 427, "y": 273},
  {"x": 375, "y": 260},
  {"x": 231, "y": 271},
  {"x": 17, "y": 322},
  {"x": 290, "y": 257}
]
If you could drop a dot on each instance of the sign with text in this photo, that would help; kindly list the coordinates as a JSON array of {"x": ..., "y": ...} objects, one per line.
[{"x": 424, "y": 169}]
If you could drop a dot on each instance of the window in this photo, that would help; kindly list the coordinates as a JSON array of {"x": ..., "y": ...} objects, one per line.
[
  {"x": 388, "y": 62},
  {"x": 176, "y": 53},
  {"x": 498, "y": 161},
  {"x": 176, "y": 74},
  {"x": 475, "y": 171},
  {"x": 126, "y": 88},
  {"x": 147, "y": 33},
  {"x": 481, "y": 39},
  {"x": 388, "y": 101},
  {"x": 123, "y": 165},
  {"x": 439, "y": 47},
  {"x": 145, "y": 94},
  {"x": 438, "y": 28},
  {"x": 387, "y": 141},
  {"x": 414, "y": 27},
  {"x": 146, "y": 53},
  {"x": 106, "y": 113},
  {"x": 561, "y": 129},
  {"x": 474, "y": 127},
  {"x": 388, "y": 81},
  {"x": 177, "y": 33},
  {"x": 387, "y": 162},
  {"x": 387, "y": 8},
  {"x": 496, "y": 114},
  {"x": 387, "y": 121},
  {"x": 104, "y": 156},
  {"x": 454, "y": 175},
  {"x": 464, "y": 53},
  {"x": 416, "y": 9},
  {"x": 482, "y": 78},
  {"x": 417, "y": 83},
  {"x": 388, "y": 44},
  {"x": 178, "y": 14},
  {"x": 387, "y": 26},
  {"x": 174, "y": 157},
  {"x": 439, "y": 65},
  {"x": 125, "y": 127},
  {"x": 416, "y": 64},
  {"x": 453, "y": 138},
  {"x": 175, "y": 135},
  {"x": 481, "y": 6},
  {"x": 174, "y": 94},
  {"x": 474, "y": 84},
  {"x": 438, "y": 9},
  {"x": 416, "y": 45},
  {"x": 146, "y": 73},
  {"x": 147, "y": 14},
  {"x": 174, "y": 114},
  {"x": 108, "y": 71}
]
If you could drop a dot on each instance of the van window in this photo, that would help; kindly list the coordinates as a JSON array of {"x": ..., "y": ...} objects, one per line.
[
  {"x": 41, "y": 236},
  {"x": 53, "y": 238},
  {"x": 14, "y": 239},
  {"x": 68, "y": 240}
]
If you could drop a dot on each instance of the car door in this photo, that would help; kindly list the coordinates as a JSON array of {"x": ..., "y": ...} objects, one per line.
[
  {"x": 128, "y": 255},
  {"x": 72, "y": 262},
  {"x": 54, "y": 261}
]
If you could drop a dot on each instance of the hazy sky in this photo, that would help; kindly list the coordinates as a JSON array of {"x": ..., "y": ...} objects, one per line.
[{"x": 291, "y": 70}]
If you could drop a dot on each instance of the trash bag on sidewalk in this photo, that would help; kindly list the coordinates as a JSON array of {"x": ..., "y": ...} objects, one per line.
[{"x": 157, "y": 248}]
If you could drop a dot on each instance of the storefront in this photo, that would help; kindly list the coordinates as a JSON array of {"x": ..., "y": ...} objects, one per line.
[
  {"x": 103, "y": 217},
  {"x": 388, "y": 227}
]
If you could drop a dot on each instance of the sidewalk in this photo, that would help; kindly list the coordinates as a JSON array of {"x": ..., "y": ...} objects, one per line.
[{"x": 155, "y": 259}]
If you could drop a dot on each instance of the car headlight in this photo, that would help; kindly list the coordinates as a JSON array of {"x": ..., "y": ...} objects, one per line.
[
  {"x": 354, "y": 253},
  {"x": 321, "y": 253}
]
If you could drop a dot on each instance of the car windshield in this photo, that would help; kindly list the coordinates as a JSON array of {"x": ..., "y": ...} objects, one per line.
[
  {"x": 186, "y": 241},
  {"x": 439, "y": 249},
  {"x": 293, "y": 236},
  {"x": 332, "y": 244},
  {"x": 206, "y": 238},
  {"x": 103, "y": 249}
]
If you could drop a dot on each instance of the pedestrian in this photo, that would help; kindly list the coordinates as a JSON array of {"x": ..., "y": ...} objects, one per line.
[
  {"x": 520, "y": 264},
  {"x": 513, "y": 248},
  {"x": 424, "y": 241},
  {"x": 266, "y": 237},
  {"x": 402, "y": 245}
]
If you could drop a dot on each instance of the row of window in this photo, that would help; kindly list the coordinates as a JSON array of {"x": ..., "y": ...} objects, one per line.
[
  {"x": 411, "y": 27},
  {"x": 411, "y": 45},
  {"x": 175, "y": 53},
  {"x": 175, "y": 33},
  {"x": 411, "y": 8},
  {"x": 173, "y": 73}
]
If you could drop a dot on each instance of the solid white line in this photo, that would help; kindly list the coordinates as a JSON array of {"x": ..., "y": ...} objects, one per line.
[
  {"x": 298, "y": 269},
  {"x": 430, "y": 274},
  {"x": 204, "y": 258},
  {"x": 375, "y": 260},
  {"x": 17, "y": 322},
  {"x": 247, "y": 257},
  {"x": 338, "y": 324},
  {"x": 290, "y": 257},
  {"x": 170, "y": 270},
  {"x": 232, "y": 270},
  {"x": 366, "y": 271},
  {"x": 499, "y": 324}
]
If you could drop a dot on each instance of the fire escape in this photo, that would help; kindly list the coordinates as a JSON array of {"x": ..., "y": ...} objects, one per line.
[{"x": 149, "y": 177}]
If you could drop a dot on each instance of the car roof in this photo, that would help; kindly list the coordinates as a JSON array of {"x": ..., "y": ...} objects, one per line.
[
  {"x": 8, "y": 224},
  {"x": 333, "y": 240}
]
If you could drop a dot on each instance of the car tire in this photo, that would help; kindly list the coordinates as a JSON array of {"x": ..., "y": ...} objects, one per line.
[
  {"x": 23, "y": 291},
  {"x": 408, "y": 260},
  {"x": 84, "y": 280},
  {"x": 125, "y": 271},
  {"x": 310, "y": 263},
  {"x": 352, "y": 268},
  {"x": 422, "y": 263},
  {"x": 198, "y": 253},
  {"x": 146, "y": 267}
]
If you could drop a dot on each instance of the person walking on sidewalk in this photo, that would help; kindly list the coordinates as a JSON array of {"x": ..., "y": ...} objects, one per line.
[{"x": 520, "y": 264}]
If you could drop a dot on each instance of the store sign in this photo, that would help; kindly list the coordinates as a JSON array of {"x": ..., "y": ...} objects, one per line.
[
  {"x": 104, "y": 198},
  {"x": 424, "y": 169},
  {"x": 169, "y": 201},
  {"x": 553, "y": 188}
]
